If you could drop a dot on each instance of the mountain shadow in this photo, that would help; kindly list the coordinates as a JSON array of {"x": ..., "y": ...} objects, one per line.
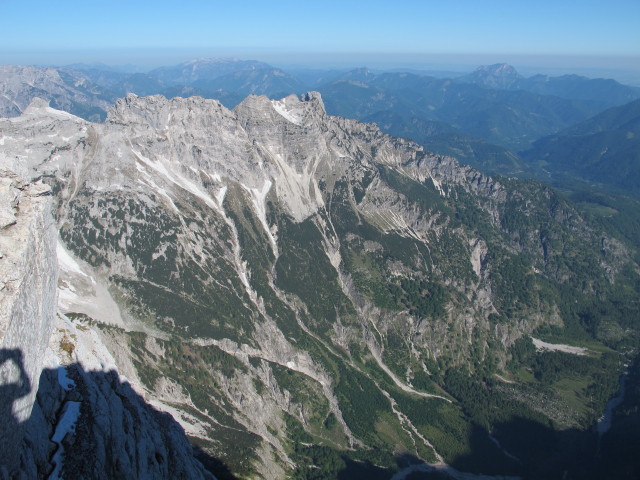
[
  {"x": 538, "y": 451},
  {"x": 528, "y": 449},
  {"x": 14, "y": 385},
  {"x": 91, "y": 425}
]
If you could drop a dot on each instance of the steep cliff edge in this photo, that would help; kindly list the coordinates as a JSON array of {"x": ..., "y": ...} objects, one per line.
[
  {"x": 58, "y": 385},
  {"x": 28, "y": 282},
  {"x": 299, "y": 289},
  {"x": 89, "y": 423}
]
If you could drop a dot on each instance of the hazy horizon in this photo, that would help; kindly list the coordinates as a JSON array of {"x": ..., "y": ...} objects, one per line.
[
  {"x": 622, "y": 69},
  {"x": 584, "y": 37}
]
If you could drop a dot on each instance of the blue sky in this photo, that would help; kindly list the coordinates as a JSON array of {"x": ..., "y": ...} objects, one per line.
[{"x": 163, "y": 32}]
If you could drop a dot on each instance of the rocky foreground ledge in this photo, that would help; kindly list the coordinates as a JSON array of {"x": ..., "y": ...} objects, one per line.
[{"x": 64, "y": 411}]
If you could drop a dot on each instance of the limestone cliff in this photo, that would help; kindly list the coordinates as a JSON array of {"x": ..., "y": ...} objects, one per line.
[
  {"x": 83, "y": 406},
  {"x": 290, "y": 286},
  {"x": 28, "y": 287}
]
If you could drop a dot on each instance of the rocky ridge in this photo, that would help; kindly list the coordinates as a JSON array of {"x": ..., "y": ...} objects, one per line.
[
  {"x": 66, "y": 89},
  {"x": 58, "y": 383},
  {"x": 262, "y": 266},
  {"x": 28, "y": 277}
]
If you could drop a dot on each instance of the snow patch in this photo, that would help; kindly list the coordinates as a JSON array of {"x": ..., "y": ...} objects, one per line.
[
  {"x": 177, "y": 179},
  {"x": 80, "y": 292},
  {"x": 437, "y": 184},
  {"x": 558, "y": 347},
  {"x": 258, "y": 197},
  {"x": 67, "y": 263},
  {"x": 147, "y": 182},
  {"x": 299, "y": 192},
  {"x": 294, "y": 116},
  {"x": 220, "y": 195},
  {"x": 59, "y": 113},
  {"x": 66, "y": 424},
  {"x": 65, "y": 382}
]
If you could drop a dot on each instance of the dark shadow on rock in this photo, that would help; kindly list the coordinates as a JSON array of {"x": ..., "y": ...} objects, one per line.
[
  {"x": 119, "y": 435},
  {"x": 114, "y": 434},
  {"x": 362, "y": 471},
  {"x": 14, "y": 385},
  {"x": 214, "y": 465}
]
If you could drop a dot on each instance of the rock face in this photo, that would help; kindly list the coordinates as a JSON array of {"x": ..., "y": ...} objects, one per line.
[
  {"x": 111, "y": 430},
  {"x": 499, "y": 76},
  {"x": 277, "y": 278},
  {"x": 28, "y": 287},
  {"x": 67, "y": 89},
  {"x": 92, "y": 424}
]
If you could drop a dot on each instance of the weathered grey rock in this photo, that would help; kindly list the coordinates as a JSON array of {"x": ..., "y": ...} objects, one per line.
[
  {"x": 28, "y": 294},
  {"x": 118, "y": 435},
  {"x": 185, "y": 201},
  {"x": 68, "y": 89}
]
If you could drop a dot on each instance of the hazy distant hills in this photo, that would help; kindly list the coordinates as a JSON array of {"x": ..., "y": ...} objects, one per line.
[
  {"x": 604, "y": 149},
  {"x": 204, "y": 69},
  {"x": 89, "y": 91},
  {"x": 500, "y": 76},
  {"x": 512, "y": 119},
  {"x": 442, "y": 138},
  {"x": 68, "y": 90},
  {"x": 482, "y": 118},
  {"x": 264, "y": 81},
  {"x": 599, "y": 92}
]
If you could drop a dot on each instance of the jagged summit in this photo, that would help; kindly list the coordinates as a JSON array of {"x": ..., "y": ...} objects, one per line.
[
  {"x": 161, "y": 112},
  {"x": 272, "y": 274},
  {"x": 498, "y": 76},
  {"x": 294, "y": 109},
  {"x": 37, "y": 105},
  {"x": 498, "y": 69},
  {"x": 197, "y": 145}
]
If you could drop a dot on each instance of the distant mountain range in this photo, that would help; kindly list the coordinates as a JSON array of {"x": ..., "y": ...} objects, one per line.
[
  {"x": 483, "y": 118},
  {"x": 511, "y": 119},
  {"x": 599, "y": 92},
  {"x": 204, "y": 69},
  {"x": 308, "y": 296},
  {"x": 68, "y": 90},
  {"x": 604, "y": 149}
]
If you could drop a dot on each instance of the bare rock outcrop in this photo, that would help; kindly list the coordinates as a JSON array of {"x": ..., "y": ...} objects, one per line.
[{"x": 28, "y": 282}]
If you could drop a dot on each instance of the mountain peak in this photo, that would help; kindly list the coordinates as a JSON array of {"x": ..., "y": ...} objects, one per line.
[
  {"x": 498, "y": 75},
  {"x": 501, "y": 69},
  {"x": 40, "y": 106},
  {"x": 295, "y": 109},
  {"x": 200, "y": 69},
  {"x": 361, "y": 74},
  {"x": 37, "y": 104}
]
